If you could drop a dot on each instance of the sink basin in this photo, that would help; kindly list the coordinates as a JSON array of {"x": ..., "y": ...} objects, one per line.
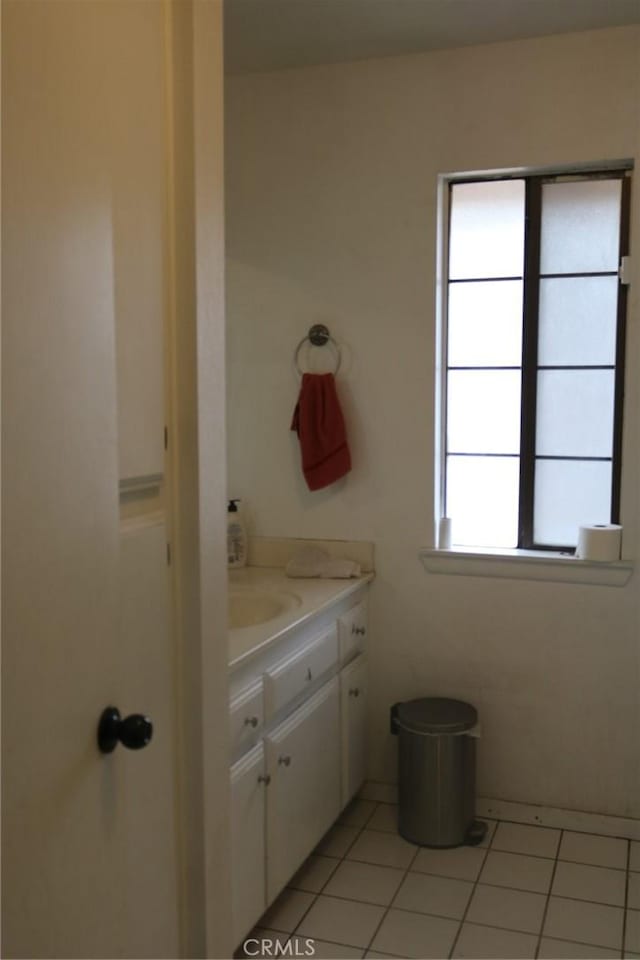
[{"x": 250, "y": 607}]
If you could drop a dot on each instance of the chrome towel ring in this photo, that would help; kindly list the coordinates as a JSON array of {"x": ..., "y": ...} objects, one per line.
[{"x": 318, "y": 336}]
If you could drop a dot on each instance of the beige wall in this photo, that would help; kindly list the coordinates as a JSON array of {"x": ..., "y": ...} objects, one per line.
[{"x": 331, "y": 216}]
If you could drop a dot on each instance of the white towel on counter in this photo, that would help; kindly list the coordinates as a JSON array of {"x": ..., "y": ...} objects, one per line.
[
  {"x": 340, "y": 569},
  {"x": 315, "y": 562}
]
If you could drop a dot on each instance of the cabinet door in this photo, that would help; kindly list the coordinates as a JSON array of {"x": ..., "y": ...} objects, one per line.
[
  {"x": 247, "y": 842},
  {"x": 353, "y": 718},
  {"x": 303, "y": 799}
]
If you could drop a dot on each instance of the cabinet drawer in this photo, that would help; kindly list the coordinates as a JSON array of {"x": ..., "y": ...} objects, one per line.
[
  {"x": 284, "y": 682},
  {"x": 246, "y": 717},
  {"x": 352, "y": 631}
]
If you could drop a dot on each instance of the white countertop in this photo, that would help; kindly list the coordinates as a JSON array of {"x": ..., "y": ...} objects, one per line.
[{"x": 315, "y": 596}]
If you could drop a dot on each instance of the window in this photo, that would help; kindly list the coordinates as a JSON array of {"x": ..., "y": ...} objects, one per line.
[{"x": 534, "y": 357}]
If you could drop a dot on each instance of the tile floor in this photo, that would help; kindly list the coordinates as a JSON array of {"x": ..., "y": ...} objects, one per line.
[{"x": 527, "y": 891}]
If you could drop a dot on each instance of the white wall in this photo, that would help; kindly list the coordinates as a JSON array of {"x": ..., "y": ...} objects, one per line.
[{"x": 331, "y": 217}]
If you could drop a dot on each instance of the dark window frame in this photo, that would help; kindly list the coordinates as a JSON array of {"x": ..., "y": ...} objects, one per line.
[{"x": 529, "y": 364}]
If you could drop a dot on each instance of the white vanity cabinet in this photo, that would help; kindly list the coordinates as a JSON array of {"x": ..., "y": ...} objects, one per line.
[
  {"x": 297, "y": 725},
  {"x": 353, "y": 720},
  {"x": 248, "y": 785},
  {"x": 303, "y": 797}
]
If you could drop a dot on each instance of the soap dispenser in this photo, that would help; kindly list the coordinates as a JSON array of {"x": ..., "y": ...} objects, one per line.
[{"x": 236, "y": 536}]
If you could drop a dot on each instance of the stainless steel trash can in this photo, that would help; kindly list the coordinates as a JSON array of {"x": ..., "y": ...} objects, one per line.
[{"x": 436, "y": 772}]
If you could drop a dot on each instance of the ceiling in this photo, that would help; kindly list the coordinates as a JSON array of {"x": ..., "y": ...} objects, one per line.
[{"x": 277, "y": 34}]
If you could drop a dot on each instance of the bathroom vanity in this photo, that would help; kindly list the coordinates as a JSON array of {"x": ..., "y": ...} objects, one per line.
[{"x": 298, "y": 685}]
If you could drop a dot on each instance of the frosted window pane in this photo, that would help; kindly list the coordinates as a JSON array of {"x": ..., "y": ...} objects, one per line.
[
  {"x": 575, "y": 413},
  {"x": 578, "y": 320},
  {"x": 485, "y": 324},
  {"x": 580, "y": 226},
  {"x": 486, "y": 229},
  {"x": 483, "y": 411},
  {"x": 482, "y": 500},
  {"x": 569, "y": 493}
]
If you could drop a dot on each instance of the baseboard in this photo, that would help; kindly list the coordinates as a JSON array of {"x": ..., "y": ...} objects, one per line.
[
  {"x": 541, "y": 816},
  {"x": 538, "y": 815}
]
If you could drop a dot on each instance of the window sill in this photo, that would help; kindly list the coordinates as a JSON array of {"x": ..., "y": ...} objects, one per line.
[{"x": 525, "y": 565}]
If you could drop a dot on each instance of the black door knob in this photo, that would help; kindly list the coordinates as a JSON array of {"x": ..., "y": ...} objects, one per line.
[{"x": 134, "y": 732}]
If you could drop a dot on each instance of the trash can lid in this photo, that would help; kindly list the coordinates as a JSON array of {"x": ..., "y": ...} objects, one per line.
[{"x": 436, "y": 715}]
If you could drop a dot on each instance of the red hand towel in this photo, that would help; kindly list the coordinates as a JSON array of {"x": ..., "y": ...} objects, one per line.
[{"x": 319, "y": 423}]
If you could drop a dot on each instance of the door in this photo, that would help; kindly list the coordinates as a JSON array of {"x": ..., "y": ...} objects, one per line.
[
  {"x": 353, "y": 714},
  {"x": 90, "y": 842},
  {"x": 247, "y": 842},
  {"x": 303, "y": 798}
]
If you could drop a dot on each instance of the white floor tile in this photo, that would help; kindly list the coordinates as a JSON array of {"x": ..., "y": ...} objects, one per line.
[
  {"x": 512, "y": 909},
  {"x": 463, "y": 863},
  {"x": 596, "y": 850},
  {"x": 380, "y": 792},
  {"x": 517, "y": 871},
  {"x": 583, "y": 882},
  {"x": 259, "y": 932},
  {"x": 632, "y": 934},
  {"x": 341, "y": 921},
  {"x": 582, "y": 922},
  {"x": 314, "y": 873},
  {"x": 322, "y": 949},
  {"x": 441, "y": 896},
  {"x": 385, "y": 849},
  {"x": 356, "y": 813},
  {"x": 522, "y": 838},
  {"x": 337, "y": 841},
  {"x": 633, "y": 896},
  {"x": 584, "y": 915},
  {"x": 565, "y": 950},
  {"x": 364, "y": 881},
  {"x": 415, "y": 935},
  {"x": 287, "y": 911},
  {"x": 479, "y": 942},
  {"x": 385, "y": 818}
]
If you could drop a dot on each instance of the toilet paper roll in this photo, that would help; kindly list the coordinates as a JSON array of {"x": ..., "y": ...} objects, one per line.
[
  {"x": 599, "y": 541},
  {"x": 444, "y": 534}
]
